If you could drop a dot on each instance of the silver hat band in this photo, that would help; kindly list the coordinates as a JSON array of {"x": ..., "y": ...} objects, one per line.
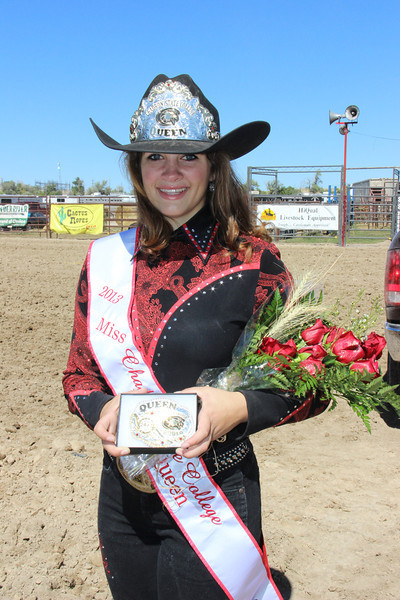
[{"x": 171, "y": 112}]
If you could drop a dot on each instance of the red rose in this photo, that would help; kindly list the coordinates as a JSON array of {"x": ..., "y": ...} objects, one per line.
[
  {"x": 312, "y": 365},
  {"x": 334, "y": 334},
  {"x": 316, "y": 351},
  {"x": 348, "y": 348},
  {"x": 271, "y": 346},
  {"x": 373, "y": 345},
  {"x": 268, "y": 346},
  {"x": 369, "y": 365},
  {"x": 315, "y": 334}
]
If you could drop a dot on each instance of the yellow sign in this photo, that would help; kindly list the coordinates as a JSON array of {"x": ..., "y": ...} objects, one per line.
[
  {"x": 77, "y": 218},
  {"x": 268, "y": 215}
]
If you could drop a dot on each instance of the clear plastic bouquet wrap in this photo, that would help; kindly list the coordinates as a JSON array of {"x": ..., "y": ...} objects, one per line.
[{"x": 294, "y": 346}]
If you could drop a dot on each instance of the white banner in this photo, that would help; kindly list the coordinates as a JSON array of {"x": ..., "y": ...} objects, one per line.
[
  {"x": 14, "y": 214},
  {"x": 324, "y": 217}
]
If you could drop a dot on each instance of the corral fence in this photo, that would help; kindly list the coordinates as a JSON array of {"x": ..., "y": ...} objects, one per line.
[
  {"x": 120, "y": 212},
  {"x": 368, "y": 211}
]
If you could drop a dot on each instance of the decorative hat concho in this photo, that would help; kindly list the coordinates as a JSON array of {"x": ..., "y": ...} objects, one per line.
[{"x": 175, "y": 117}]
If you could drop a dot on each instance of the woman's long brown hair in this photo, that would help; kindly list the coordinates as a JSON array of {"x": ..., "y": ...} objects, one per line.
[{"x": 228, "y": 203}]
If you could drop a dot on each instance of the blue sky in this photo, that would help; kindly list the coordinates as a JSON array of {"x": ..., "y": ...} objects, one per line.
[{"x": 286, "y": 62}]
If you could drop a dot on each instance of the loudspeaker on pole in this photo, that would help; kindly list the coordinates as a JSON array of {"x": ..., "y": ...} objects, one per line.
[
  {"x": 333, "y": 117},
  {"x": 352, "y": 112}
]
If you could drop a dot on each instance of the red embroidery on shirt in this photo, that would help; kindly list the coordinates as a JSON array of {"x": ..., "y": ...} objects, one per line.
[{"x": 160, "y": 285}]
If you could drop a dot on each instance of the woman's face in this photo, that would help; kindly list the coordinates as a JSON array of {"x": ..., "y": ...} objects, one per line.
[{"x": 176, "y": 184}]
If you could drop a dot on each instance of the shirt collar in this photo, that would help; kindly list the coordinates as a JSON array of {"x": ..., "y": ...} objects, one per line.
[{"x": 199, "y": 230}]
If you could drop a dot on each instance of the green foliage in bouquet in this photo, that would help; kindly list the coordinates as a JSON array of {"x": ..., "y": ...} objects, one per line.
[{"x": 294, "y": 346}]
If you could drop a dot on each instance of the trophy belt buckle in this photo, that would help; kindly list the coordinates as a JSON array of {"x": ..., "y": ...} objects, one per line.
[
  {"x": 141, "y": 482},
  {"x": 156, "y": 423}
]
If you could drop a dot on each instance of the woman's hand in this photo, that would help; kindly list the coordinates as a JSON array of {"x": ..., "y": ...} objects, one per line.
[
  {"x": 220, "y": 412},
  {"x": 106, "y": 426}
]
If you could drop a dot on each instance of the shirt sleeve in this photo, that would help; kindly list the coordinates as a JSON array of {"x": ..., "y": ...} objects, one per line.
[
  {"x": 84, "y": 386},
  {"x": 267, "y": 408}
]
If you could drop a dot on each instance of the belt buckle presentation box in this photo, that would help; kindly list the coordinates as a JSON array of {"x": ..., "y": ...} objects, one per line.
[{"x": 156, "y": 423}]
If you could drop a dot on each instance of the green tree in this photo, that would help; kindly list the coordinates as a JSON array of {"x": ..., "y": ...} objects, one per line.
[
  {"x": 50, "y": 189},
  {"x": 289, "y": 190},
  {"x": 118, "y": 190},
  {"x": 100, "y": 187},
  {"x": 314, "y": 185},
  {"x": 78, "y": 187},
  {"x": 19, "y": 189},
  {"x": 280, "y": 189},
  {"x": 9, "y": 187}
]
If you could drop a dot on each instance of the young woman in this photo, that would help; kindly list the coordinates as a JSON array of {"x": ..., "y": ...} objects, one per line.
[{"x": 184, "y": 284}]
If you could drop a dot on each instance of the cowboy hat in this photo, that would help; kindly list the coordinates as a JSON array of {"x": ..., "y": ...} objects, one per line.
[{"x": 175, "y": 117}]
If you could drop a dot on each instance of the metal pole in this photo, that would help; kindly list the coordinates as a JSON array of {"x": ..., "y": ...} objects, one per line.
[
  {"x": 249, "y": 194},
  {"x": 344, "y": 188},
  {"x": 395, "y": 203},
  {"x": 339, "y": 200},
  {"x": 48, "y": 213}
]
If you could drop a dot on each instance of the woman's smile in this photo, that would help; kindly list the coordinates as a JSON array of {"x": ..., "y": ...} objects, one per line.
[{"x": 173, "y": 192}]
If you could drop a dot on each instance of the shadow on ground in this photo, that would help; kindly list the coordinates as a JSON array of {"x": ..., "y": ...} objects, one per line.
[{"x": 283, "y": 584}]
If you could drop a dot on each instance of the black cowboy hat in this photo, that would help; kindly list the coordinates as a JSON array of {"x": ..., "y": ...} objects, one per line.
[{"x": 175, "y": 117}]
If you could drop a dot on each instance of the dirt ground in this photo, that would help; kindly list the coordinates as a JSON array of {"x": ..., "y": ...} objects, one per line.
[{"x": 331, "y": 490}]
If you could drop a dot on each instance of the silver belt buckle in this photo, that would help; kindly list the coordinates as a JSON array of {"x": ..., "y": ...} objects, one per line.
[{"x": 141, "y": 482}]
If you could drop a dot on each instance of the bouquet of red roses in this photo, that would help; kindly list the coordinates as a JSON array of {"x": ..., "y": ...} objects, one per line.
[{"x": 288, "y": 346}]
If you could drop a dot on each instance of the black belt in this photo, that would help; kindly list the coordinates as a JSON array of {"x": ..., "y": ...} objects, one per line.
[{"x": 220, "y": 459}]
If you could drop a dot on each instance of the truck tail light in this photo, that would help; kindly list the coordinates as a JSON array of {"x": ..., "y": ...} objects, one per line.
[{"x": 392, "y": 278}]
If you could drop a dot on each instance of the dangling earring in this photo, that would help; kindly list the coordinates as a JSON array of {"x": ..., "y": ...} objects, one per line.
[{"x": 211, "y": 186}]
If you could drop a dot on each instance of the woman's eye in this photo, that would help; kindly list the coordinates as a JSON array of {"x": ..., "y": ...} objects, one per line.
[
  {"x": 154, "y": 157},
  {"x": 189, "y": 157}
]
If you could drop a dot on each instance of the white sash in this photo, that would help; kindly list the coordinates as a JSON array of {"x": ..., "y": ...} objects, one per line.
[
  {"x": 111, "y": 275},
  {"x": 201, "y": 510}
]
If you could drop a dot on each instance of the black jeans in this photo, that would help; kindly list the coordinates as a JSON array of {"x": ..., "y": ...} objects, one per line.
[{"x": 145, "y": 555}]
